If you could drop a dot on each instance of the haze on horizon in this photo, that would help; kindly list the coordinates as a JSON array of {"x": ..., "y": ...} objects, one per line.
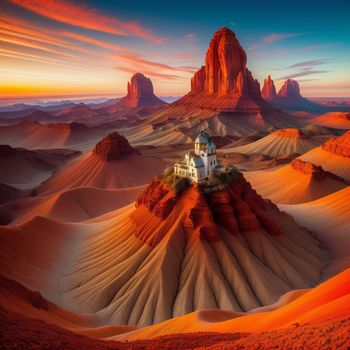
[{"x": 64, "y": 48}]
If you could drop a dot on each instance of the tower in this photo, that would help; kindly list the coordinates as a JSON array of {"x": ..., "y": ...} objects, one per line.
[{"x": 206, "y": 150}]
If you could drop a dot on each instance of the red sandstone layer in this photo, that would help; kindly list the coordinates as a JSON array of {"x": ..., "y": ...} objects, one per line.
[
  {"x": 237, "y": 208},
  {"x": 290, "y": 133},
  {"x": 113, "y": 147},
  {"x": 339, "y": 145}
]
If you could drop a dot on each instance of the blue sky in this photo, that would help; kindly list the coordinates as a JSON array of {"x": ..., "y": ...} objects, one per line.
[{"x": 306, "y": 40}]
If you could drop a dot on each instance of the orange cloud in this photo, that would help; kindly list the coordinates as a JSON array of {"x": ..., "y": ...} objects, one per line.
[
  {"x": 15, "y": 24},
  {"x": 151, "y": 73},
  {"x": 135, "y": 59},
  {"x": 91, "y": 41},
  {"x": 133, "y": 63},
  {"x": 12, "y": 53},
  {"x": 85, "y": 17},
  {"x": 14, "y": 27}
]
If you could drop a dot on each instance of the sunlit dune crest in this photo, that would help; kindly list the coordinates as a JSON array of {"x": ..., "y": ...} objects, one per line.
[
  {"x": 329, "y": 217},
  {"x": 290, "y": 184},
  {"x": 332, "y": 156},
  {"x": 280, "y": 142}
]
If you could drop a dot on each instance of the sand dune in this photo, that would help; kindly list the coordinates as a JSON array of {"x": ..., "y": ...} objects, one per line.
[
  {"x": 331, "y": 162},
  {"x": 17, "y": 298},
  {"x": 338, "y": 120},
  {"x": 75, "y": 205},
  {"x": 330, "y": 218},
  {"x": 107, "y": 265},
  {"x": 33, "y": 135},
  {"x": 329, "y": 300},
  {"x": 180, "y": 120},
  {"x": 24, "y": 169},
  {"x": 90, "y": 170},
  {"x": 291, "y": 185},
  {"x": 277, "y": 144}
]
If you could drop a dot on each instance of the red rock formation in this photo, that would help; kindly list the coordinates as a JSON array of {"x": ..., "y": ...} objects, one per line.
[
  {"x": 140, "y": 93},
  {"x": 220, "y": 203},
  {"x": 199, "y": 219},
  {"x": 198, "y": 81},
  {"x": 291, "y": 133},
  {"x": 225, "y": 70},
  {"x": 237, "y": 208},
  {"x": 290, "y": 88},
  {"x": 268, "y": 91},
  {"x": 310, "y": 169},
  {"x": 113, "y": 147},
  {"x": 158, "y": 198},
  {"x": 339, "y": 145}
]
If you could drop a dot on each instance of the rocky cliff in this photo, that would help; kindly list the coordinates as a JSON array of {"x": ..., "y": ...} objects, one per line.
[
  {"x": 225, "y": 70},
  {"x": 290, "y": 88},
  {"x": 268, "y": 91},
  {"x": 237, "y": 208}
]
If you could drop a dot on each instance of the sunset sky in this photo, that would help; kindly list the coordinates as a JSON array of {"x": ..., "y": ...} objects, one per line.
[{"x": 65, "y": 47}]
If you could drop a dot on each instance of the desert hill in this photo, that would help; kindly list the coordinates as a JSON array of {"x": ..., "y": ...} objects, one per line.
[
  {"x": 297, "y": 182},
  {"x": 329, "y": 300},
  {"x": 43, "y": 323},
  {"x": 329, "y": 217},
  {"x": 138, "y": 104},
  {"x": 333, "y": 156},
  {"x": 226, "y": 248},
  {"x": 283, "y": 141},
  {"x": 77, "y": 113},
  {"x": 338, "y": 120},
  {"x": 224, "y": 94},
  {"x": 73, "y": 205},
  {"x": 33, "y": 135},
  {"x": 25, "y": 169},
  {"x": 112, "y": 164}
]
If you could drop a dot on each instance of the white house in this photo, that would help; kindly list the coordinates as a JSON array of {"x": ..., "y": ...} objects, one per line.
[{"x": 198, "y": 163}]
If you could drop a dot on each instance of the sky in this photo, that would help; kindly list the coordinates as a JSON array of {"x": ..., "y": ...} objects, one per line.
[{"x": 91, "y": 48}]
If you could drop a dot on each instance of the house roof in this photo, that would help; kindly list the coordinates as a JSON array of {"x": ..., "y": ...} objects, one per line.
[
  {"x": 196, "y": 158},
  {"x": 204, "y": 138}
]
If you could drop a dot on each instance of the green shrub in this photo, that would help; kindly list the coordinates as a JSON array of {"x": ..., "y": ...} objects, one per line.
[
  {"x": 217, "y": 180},
  {"x": 168, "y": 171},
  {"x": 175, "y": 182},
  {"x": 179, "y": 184}
]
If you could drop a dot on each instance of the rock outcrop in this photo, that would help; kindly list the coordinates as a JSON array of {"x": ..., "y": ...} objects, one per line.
[
  {"x": 268, "y": 91},
  {"x": 140, "y": 93},
  {"x": 290, "y": 88},
  {"x": 158, "y": 198},
  {"x": 307, "y": 168},
  {"x": 114, "y": 147},
  {"x": 225, "y": 70},
  {"x": 237, "y": 208},
  {"x": 291, "y": 133},
  {"x": 339, "y": 145}
]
